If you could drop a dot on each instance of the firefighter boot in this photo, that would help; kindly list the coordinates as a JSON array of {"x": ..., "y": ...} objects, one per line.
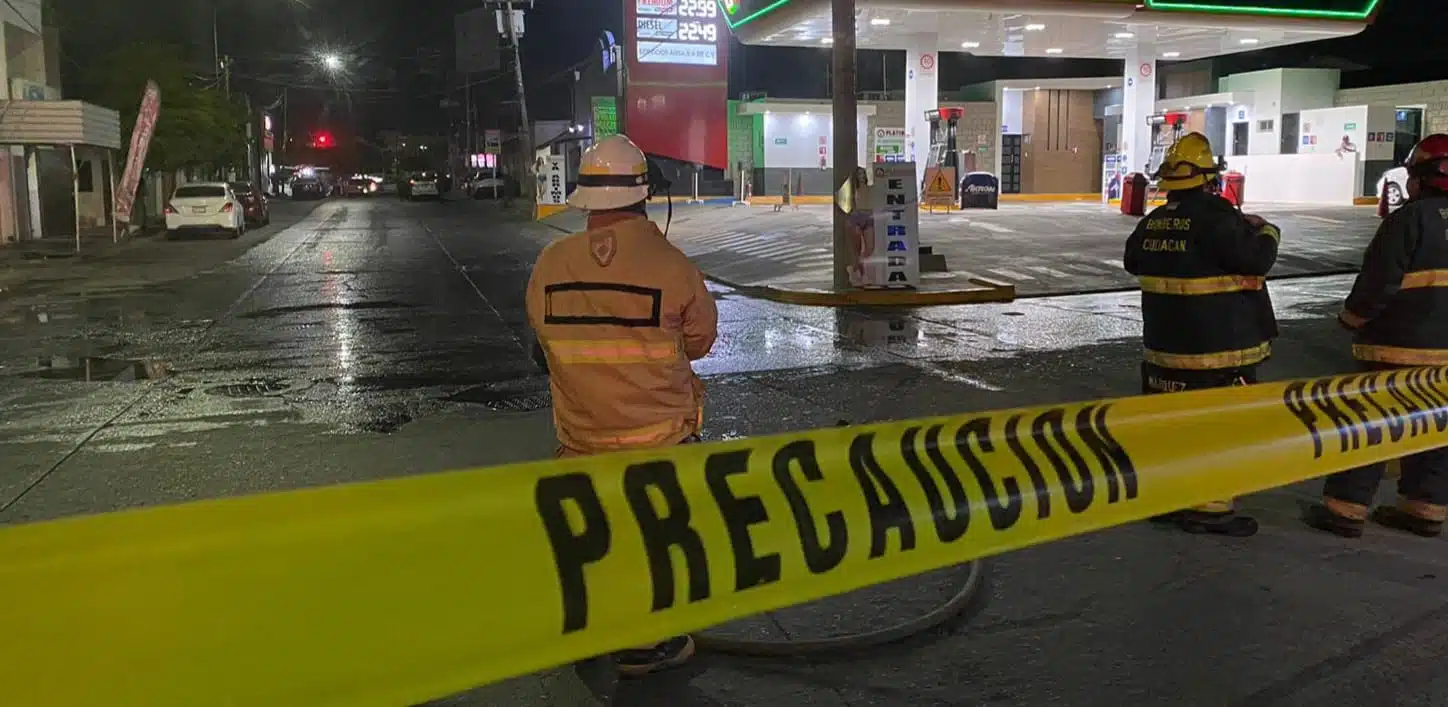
[
  {"x": 1210, "y": 522},
  {"x": 1341, "y": 518},
  {"x": 638, "y": 662},
  {"x": 1416, "y": 517}
]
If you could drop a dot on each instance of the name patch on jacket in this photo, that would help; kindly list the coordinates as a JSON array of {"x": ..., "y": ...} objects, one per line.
[
  {"x": 1169, "y": 223},
  {"x": 1166, "y": 245}
]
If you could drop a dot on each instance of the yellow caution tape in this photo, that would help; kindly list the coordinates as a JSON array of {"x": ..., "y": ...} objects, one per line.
[{"x": 394, "y": 592}]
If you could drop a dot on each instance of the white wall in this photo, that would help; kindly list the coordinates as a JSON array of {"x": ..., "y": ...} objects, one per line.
[
  {"x": 1382, "y": 120},
  {"x": 1324, "y": 131},
  {"x": 1266, "y": 88},
  {"x": 793, "y": 140},
  {"x": 1308, "y": 89},
  {"x": 1322, "y": 178},
  {"x": 1012, "y": 117}
]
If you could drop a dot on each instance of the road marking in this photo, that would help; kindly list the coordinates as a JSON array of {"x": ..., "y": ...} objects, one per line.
[
  {"x": 754, "y": 248},
  {"x": 1320, "y": 219},
  {"x": 1010, "y": 274},
  {"x": 1048, "y": 271},
  {"x": 1115, "y": 263},
  {"x": 992, "y": 227}
]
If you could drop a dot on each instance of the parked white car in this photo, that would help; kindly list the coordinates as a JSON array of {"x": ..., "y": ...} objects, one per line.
[
  {"x": 423, "y": 185},
  {"x": 205, "y": 207},
  {"x": 1392, "y": 190}
]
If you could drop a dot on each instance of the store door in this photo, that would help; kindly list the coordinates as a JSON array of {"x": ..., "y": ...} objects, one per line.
[
  {"x": 1409, "y": 132},
  {"x": 1239, "y": 139},
  {"x": 1010, "y": 164}
]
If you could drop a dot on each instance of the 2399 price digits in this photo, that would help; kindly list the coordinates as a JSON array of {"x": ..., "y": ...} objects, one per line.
[
  {"x": 698, "y": 8},
  {"x": 698, "y": 32}
]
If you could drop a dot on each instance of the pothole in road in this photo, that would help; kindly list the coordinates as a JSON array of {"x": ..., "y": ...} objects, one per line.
[
  {"x": 250, "y": 389},
  {"x": 96, "y": 369}
]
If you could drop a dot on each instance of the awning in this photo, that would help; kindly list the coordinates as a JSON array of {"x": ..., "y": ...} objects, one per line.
[{"x": 59, "y": 123}]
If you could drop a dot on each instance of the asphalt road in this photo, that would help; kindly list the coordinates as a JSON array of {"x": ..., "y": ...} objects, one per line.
[
  {"x": 377, "y": 338},
  {"x": 1043, "y": 249}
]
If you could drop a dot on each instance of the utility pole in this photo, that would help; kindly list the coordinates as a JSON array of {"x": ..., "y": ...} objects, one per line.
[
  {"x": 525, "y": 134},
  {"x": 843, "y": 109},
  {"x": 286, "y": 101},
  {"x": 215, "y": 39}
]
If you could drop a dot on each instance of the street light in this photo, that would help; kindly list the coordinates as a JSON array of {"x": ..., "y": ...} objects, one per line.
[{"x": 332, "y": 62}]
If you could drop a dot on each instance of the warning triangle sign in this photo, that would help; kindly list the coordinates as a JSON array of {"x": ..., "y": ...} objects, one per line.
[{"x": 939, "y": 184}]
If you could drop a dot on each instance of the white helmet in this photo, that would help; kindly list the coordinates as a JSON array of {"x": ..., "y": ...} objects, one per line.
[{"x": 613, "y": 174}]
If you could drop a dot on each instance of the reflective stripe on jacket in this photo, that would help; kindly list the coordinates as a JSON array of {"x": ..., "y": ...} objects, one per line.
[
  {"x": 1399, "y": 303},
  {"x": 619, "y": 313},
  {"x": 1202, "y": 268}
]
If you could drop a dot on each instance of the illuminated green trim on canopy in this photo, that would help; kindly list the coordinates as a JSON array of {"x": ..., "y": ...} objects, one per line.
[
  {"x": 1266, "y": 8},
  {"x": 734, "y": 16}
]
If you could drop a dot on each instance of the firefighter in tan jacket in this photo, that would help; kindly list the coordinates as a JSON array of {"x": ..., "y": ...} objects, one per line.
[{"x": 619, "y": 313}]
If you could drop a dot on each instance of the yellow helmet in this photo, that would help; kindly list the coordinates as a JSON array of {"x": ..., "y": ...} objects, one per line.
[
  {"x": 612, "y": 174},
  {"x": 1188, "y": 164}
]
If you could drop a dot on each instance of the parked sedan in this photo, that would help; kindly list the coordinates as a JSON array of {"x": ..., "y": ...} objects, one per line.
[
  {"x": 487, "y": 185},
  {"x": 358, "y": 186},
  {"x": 424, "y": 185},
  {"x": 255, "y": 204},
  {"x": 205, "y": 207},
  {"x": 308, "y": 188}
]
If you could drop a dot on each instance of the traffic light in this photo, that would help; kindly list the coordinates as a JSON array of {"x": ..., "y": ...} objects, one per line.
[{"x": 322, "y": 140}]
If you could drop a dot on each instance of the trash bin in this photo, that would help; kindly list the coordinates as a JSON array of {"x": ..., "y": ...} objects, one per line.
[
  {"x": 1234, "y": 185},
  {"x": 1133, "y": 194}
]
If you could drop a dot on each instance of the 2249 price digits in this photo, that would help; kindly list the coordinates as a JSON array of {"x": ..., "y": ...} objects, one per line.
[
  {"x": 698, "y": 32},
  {"x": 698, "y": 8}
]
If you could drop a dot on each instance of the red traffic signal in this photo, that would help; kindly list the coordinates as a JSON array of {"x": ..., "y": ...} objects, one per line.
[{"x": 322, "y": 139}]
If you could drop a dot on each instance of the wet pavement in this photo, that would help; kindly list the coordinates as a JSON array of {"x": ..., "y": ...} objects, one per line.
[
  {"x": 377, "y": 338},
  {"x": 1041, "y": 248}
]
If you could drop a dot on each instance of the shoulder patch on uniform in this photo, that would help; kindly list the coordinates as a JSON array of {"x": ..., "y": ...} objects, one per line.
[{"x": 603, "y": 246}]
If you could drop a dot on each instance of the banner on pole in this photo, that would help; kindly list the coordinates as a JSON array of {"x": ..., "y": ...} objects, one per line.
[{"x": 136, "y": 156}]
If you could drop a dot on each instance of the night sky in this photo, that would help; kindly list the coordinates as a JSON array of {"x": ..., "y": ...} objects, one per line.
[{"x": 400, "y": 55}]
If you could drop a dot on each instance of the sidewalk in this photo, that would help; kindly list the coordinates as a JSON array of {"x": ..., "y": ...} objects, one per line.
[
  {"x": 140, "y": 260},
  {"x": 767, "y": 264}
]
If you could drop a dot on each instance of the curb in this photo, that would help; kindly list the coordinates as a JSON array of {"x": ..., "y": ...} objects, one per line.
[{"x": 988, "y": 292}]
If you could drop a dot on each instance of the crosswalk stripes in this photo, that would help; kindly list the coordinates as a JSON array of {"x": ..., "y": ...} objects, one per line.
[
  {"x": 1012, "y": 275},
  {"x": 1047, "y": 271},
  {"x": 992, "y": 227}
]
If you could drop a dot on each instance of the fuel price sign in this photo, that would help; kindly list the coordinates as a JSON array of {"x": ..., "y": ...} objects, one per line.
[{"x": 677, "y": 32}]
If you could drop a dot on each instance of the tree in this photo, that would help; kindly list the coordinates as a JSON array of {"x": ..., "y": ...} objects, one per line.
[{"x": 199, "y": 127}]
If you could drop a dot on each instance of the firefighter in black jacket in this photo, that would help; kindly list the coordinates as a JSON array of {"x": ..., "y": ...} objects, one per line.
[
  {"x": 1398, "y": 311},
  {"x": 1207, "y": 320}
]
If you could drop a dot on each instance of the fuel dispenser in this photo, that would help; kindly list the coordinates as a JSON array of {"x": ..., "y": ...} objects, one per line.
[
  {"x": 944, "y": 148},
  {"x": 1166, "y": 129}
]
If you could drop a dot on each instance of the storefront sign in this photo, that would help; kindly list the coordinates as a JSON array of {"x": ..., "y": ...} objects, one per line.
[
  {"x": 887, "y": 239},
  {"x": 554, "y": 181},
  {"x": 605, "y": 117},
  {"x": 889, "y": 144},
  {"x": 1113, "y": 174}
]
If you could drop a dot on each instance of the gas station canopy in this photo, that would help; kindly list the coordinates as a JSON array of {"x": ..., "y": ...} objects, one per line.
[{"x": 1084, "y": 29}]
